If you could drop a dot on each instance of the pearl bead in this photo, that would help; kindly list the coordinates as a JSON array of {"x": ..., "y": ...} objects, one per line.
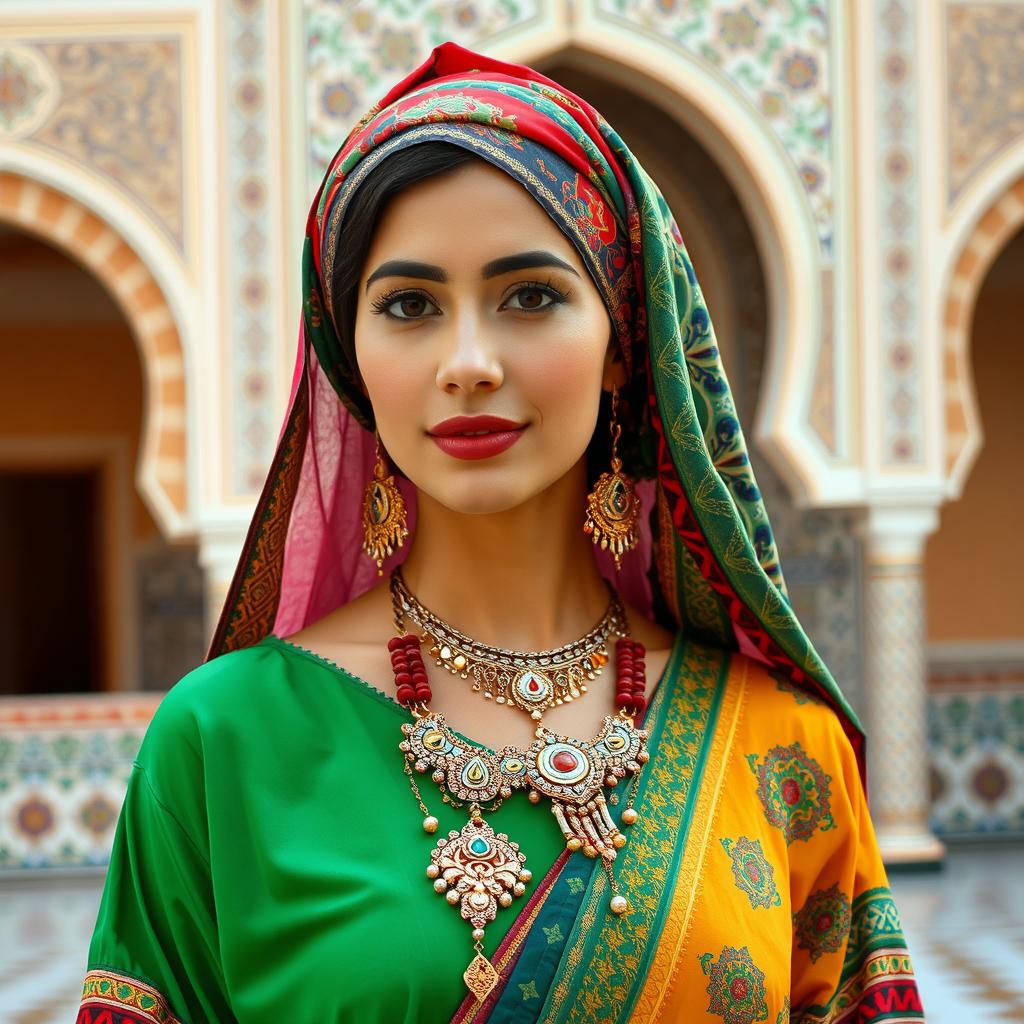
[
  {"x": 440, "y": 885},
  {"x": 505, "y": 899},
  {"x": 525, "y": 875},
  {"x": 629, "y": 816},
  {"x": 433, "y": 871},
  {"x": 573, "y": 844},
  {"x": 618, "y": 905},
  {"x": 618, "y": 840},
  {"x": 430, "y": 824},
  {"x": 478, "y": 935},
  {"x": 452, "y": 897}
]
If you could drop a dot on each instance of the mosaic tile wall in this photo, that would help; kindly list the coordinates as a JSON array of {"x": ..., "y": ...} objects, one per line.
[
  {"x": 170, "y": 601},
  {"x": 64, "y": 765},
  {"x": 976, "y": 738}
]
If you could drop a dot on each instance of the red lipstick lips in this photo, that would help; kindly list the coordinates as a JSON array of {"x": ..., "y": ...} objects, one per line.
[{"x": 475, "y": 437}]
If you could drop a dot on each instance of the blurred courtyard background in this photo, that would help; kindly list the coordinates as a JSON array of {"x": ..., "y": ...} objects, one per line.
[{"x": 849, "y": 179}]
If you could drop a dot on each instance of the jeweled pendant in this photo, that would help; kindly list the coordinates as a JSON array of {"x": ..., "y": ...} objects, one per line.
[
  {"x": 478, "y": 870},
  {"x": 480, "y": 977}
]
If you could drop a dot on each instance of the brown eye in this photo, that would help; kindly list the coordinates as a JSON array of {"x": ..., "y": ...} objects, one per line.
[
  {"x": 413, "y": 306},
  {"x": 405, "y": 306},
  {"x": 533, "y": 298}
]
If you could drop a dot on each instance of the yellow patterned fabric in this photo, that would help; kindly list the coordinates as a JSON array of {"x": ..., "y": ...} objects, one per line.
[{"x": 780, "y": 909}]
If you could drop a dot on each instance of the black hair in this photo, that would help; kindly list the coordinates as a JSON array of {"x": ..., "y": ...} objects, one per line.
[{"x": 393, "y": 174}]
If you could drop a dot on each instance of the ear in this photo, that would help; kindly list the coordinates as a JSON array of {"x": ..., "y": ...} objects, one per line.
[{"x": 614, "y": 366}]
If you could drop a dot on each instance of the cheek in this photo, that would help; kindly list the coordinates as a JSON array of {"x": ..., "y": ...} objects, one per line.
[
  {"x": 394, "y": 380},
  {"x": 565, "y": 376}
]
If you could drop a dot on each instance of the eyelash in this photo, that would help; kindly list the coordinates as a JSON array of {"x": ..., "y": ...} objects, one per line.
[{"x": 380, "y": 305}]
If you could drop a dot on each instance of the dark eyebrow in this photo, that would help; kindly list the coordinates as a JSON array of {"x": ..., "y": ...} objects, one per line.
[
  {"x": 524, "y": 261},
  {"x": 407, "y": 268},
  {"x": 503, "y": 265}
]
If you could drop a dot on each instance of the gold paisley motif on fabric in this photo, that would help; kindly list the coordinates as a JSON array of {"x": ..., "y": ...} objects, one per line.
[
  {"x": 705, "y": 497},
  {"x": 736, "y": 557},
  {"x": 773, "y": 610},
  {"x": 684, "y": 436}
]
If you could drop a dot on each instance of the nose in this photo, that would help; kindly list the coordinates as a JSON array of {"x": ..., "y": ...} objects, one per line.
[{"x": 470, "y": 357}]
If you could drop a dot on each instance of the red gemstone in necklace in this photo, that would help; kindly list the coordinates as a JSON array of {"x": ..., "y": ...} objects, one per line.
[
  {"x": 564, "y": 761},
  {"x": 532, "y": 685}
]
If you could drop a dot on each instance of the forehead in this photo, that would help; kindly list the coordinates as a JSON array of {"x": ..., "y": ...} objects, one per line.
[{"x": 475, "y": 211}]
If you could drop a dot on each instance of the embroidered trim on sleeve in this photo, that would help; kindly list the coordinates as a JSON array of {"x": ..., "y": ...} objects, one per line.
[{"x": 111, "y": 998}]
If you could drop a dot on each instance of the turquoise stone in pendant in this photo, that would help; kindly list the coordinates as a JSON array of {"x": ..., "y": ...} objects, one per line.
[{"x": 480, "y": 847}]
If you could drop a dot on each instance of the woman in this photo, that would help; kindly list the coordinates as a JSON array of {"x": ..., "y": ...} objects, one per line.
[{"x": 505, "y": 361}]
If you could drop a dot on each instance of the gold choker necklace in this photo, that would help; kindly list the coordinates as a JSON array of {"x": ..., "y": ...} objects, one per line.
[{"x": 531, "y": 681}]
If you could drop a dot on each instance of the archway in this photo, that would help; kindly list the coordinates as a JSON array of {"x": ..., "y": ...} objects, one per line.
[
  {"x": 973, "y": 566},
  {"x": 65, "y": 223},
  {"x": 971, "y": 545},
  {"x": 991, "y": 232},
  {"x": 93, "y": 596}
]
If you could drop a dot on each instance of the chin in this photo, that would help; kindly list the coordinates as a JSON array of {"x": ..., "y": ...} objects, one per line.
[
  {"x": 475, "y": 489},
  {"x": 481, "y": 498}
]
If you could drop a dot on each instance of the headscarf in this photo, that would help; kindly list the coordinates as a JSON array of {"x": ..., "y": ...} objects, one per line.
[{"x": 706, "y": 562}]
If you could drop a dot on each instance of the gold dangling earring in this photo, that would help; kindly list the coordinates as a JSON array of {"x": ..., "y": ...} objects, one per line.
[
  {"x": 384, "y": 521},
  {"x": 613, "y": 506}
]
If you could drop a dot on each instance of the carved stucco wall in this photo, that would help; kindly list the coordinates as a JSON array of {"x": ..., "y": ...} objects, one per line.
[
  {"x": 247, "y": 45},
  {"x": 984, "y": 190},
  {"x": 776, "y": 56},
  {"x": 984, "y": 87},
  {"x": 896, "y": 126},
  {"x": 112, "y": 106}
]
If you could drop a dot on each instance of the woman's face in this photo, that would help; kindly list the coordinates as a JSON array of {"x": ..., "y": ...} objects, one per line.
[{"x": 473, "y": 303}]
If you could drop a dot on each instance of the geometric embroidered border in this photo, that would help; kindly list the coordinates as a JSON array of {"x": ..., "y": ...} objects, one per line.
[
  {"x": 109, "y": 998},
  {"x": 883, "y": 990},
  {"x": 877, "y": 982}
]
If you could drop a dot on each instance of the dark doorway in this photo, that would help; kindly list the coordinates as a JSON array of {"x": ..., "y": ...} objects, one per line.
[{"x": 50, "y": 639}]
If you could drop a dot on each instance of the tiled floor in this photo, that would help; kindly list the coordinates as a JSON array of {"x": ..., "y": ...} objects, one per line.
[{"x": 965, "y": 927}]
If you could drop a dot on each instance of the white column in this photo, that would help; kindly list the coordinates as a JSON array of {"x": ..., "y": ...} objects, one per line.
[
  {"x": 896, "y": 683},
  {"x": 220, "y": 547}
]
